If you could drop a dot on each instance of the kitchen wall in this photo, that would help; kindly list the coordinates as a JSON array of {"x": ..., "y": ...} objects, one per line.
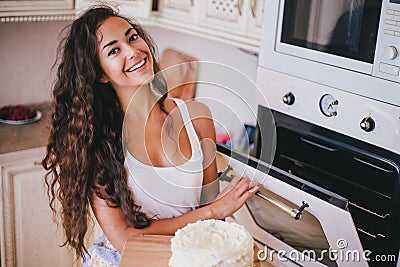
[
  {"x": 227, "y": 86},
  {"x": 28, "y": 50}
]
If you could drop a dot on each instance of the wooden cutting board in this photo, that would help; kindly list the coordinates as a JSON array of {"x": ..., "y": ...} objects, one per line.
[
  {"x": 152, "y": 251},
  {"x": 146, "y": 250}
]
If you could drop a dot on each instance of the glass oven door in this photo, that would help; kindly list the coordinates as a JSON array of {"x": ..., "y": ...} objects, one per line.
[
  {"x": 298, "y": 223},
  {"x": 340, "y": 32}
]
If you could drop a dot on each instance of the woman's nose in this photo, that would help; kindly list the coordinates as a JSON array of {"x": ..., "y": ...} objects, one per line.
[{"x": 132, "y": 52}]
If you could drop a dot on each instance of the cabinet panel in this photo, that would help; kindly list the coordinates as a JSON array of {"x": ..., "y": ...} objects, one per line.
[
  {"x": 36, "y": 5},
  {"x": 30, "y": 237},
  {"x": 135, "y": 9},
  {"x": 255, "y": 19},
  {"x": 179, "y": 4},
  {"x": 43, "y": 10},
  {"x": 178, "y": 10},
  {"x": 227, "y": 10},
  {"x": 226, "y": 15}
]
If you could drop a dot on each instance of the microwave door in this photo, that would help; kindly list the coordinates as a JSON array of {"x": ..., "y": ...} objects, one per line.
[
  {"x": 340, "y": 33},
  {"x": 306, "y": 225}
]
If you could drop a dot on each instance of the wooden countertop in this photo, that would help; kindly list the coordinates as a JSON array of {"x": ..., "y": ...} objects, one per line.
[
  {"x": 146, "y": 250},
  {"x": 155, "y": 251},
  {"x": 32, "y": 135}
]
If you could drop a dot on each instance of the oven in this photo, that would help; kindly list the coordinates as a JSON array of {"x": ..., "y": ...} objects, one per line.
[
  {"x": 327, "y": 146},
  {"x": 328, "y": 199}
]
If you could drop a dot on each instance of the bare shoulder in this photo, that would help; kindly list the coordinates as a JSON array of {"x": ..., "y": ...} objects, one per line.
[
  {"x": 202, "y": 119},
  {"x": 198, "y": 110}
]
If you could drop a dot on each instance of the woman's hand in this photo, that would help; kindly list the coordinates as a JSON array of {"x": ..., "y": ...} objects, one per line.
[{"x": 233, "y": 197}]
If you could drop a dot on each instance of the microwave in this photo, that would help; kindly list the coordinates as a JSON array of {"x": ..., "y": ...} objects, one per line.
[{"x": 350, "y": 45}]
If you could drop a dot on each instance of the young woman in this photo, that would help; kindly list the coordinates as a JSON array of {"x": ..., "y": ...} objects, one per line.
[{"x": 142, "y": 162}]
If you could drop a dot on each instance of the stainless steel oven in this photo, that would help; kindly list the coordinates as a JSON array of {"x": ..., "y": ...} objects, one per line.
[{"x": 367, "y": 176}]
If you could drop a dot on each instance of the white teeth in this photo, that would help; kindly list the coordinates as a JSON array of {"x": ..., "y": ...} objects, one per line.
[{"x": 141, "y": 63}]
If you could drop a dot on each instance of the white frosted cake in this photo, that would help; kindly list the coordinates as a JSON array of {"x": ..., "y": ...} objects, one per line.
[{"x": 212, "y": 243}]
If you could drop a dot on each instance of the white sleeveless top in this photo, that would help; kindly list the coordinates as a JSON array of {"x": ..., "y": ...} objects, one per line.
[{"x": 167, "y": 192}]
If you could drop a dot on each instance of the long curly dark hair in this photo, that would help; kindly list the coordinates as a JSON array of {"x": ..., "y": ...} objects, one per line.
[{"x": 85, "y": 152}]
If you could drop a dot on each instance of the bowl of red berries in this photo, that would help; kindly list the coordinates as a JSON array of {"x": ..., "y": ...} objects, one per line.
[{"x": 17, "y": 114}]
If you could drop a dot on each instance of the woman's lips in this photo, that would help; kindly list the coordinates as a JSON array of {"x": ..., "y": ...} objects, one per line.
[{"x": 137, "y": 66}]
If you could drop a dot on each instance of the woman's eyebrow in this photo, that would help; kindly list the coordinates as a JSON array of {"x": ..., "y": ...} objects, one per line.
[
  {"x": 128, "y": 31},
  {"x": 114, "y": 41},
  {"x": 110, "y": 43}
]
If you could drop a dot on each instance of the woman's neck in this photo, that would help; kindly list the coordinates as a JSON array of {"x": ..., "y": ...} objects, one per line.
[{"x": 138, "y": 102}]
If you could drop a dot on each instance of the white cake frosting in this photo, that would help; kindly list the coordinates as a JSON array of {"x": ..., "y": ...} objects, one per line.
[{"x": 212, "y": 243}]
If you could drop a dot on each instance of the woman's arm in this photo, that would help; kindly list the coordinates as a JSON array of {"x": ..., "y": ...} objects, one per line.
[
  {"x": 117, "y": 231},
  {"x": 204, "y": 126}
]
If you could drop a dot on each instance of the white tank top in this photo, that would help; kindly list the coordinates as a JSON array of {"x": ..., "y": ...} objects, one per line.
[{"x": 167, "y": 192}]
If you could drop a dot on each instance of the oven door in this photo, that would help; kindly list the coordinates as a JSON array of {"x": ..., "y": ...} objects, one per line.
[{"x": 296, "y": 222}]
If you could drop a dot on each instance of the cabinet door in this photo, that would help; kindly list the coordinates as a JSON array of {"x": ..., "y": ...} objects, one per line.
[
  {"x": 29, "y": 237},
  {"x": 226, "y": 15},
  {"x": 36, "y": 10},
  {"x": 254, "y": 24},
  {"x": 178, "y": 10},
  {"x": 135, "y": 9},
  {"x": 36, "y": 5},
  {"x": 179, "y": 4}
]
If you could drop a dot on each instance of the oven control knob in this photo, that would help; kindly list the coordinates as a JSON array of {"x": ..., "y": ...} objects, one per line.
[
  {"x": 367, "y": 124},
  {"x": 390, "y": 52},
  {"x": 288, "y": 99},
  {"x": 329, "y": 105}
]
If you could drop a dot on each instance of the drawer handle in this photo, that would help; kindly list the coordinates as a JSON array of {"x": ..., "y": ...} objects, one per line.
[
  {"x": 330, "y": 149},
  {"x": 37, "y": 163}
]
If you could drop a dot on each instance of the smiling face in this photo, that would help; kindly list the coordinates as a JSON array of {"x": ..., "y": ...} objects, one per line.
[{"x": 124, "y": 56}]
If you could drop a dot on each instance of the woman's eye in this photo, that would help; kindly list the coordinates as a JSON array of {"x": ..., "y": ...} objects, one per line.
[
  {"x": 113, "y": 51},
  {"x": 133, "y": 37}
]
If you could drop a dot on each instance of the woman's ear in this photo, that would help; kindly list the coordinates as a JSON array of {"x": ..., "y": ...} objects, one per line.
[{"x": 103, "y": 79}]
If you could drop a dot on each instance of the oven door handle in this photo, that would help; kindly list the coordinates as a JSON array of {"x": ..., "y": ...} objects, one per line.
[
  {"x": 294, "y": 213},
  {"x": 330, "y": 149}
]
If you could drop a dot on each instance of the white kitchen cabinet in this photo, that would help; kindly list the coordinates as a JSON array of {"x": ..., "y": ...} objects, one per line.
[
  {"x": 254, "y": 22},
  {"x": 29, "y": 237},
  {"x": 137, "y": 9},
  {"x": 224, "y": 15},
  {"x": 233, "y": 22},
  {"x": 236, "y": 20},
  {"x": 179, "y": 4},
  {"x": 36, "y": 10},
  {"x": 183, "y": 11}
]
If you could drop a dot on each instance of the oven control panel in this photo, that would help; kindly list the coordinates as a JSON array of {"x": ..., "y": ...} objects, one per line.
[
  {"x": 356, "y": 116},
  {"x": 387, "y": 55},
  {"x": 329, "y": 105}
]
